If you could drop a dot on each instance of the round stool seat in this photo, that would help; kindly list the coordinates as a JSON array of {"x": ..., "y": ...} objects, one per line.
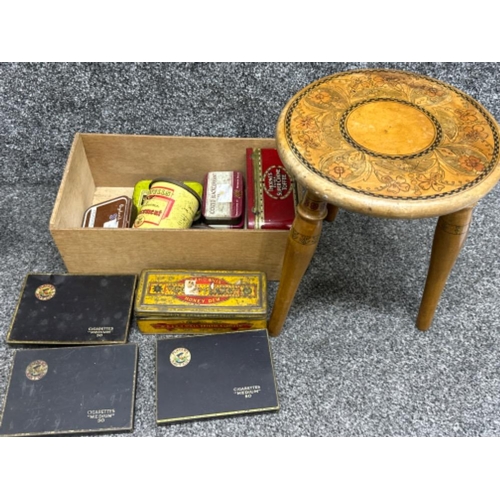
[{"x": 389, "y": 143}]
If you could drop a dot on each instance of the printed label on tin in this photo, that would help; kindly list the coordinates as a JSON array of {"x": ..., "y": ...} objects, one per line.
[
  {"x": 100, "y": 331},
  {"x": 223, "y": 195},
  {"x": 111, "y": 223},
  {"x": 155, "y": 212},
  {"x": 101, "y": 415},
  {"x": 277, "y": 183},
  {"x": 204, "y": 290},
  {"x": 156, "y": 326},
  {"x": 247, "y": 391},
  {"x": 168, "y": 205},
  {"x": 36, "y": 370},
  {"x": 180, "y": 357},
  {"x": 165, "y": 296},
  {"x": 45, "y": 292},
  {"x": 272, "y": 192}
]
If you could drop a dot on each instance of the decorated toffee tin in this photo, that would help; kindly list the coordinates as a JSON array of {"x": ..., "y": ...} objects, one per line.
[
  {"x": 113, "y": 213},
  {"x": 186, "y": 301},
  {"x": 223, "y": 198},
  {"x": 170, "y": 204},
  {"x": 271, "y": 192}
]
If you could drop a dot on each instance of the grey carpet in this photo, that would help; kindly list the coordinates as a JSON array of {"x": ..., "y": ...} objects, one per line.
[{"x": 350, "y": 361}]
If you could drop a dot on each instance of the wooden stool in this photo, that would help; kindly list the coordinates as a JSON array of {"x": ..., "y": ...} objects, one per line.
[{"x": 389, "y": 144}]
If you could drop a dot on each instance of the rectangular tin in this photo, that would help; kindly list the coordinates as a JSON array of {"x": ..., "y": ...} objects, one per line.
[
  {"x": 113, "y": 213},
  {"x": 72, "y": 309},
  {"x": 71, "y": 390},
  {"x": 223, "y": 198},
  {"x": 271, "y": 192},
  {"x": 209, "y": 376},
  {"x": 200, "y": 301}
]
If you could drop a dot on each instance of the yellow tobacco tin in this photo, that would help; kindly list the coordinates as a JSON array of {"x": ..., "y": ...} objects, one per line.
[{"x": 198, "y": 301}]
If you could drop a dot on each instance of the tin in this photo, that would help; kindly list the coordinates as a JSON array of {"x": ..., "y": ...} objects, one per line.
[
  {"x": 271, "y": 191},
  {"x": 71, "y": 391},
  {"x": 70, "y": 309},
  {"x": 170, "y": 204},
  {"x": 223, "y": 198},
  {"x": 141, "y": 193},
  {"x": 113, "y": 213},
  {"x": 215, "y": 376},
  {"x": 187, "y": 301}
]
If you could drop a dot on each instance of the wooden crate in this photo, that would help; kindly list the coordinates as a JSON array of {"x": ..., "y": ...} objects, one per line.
[{"x": 104, "y": 166}]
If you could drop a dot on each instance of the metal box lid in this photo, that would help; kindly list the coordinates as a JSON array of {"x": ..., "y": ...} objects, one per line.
[
  {"x": 183, "y": 293},
  {"x": 272, "y": 194},
  {"x": 70, "y": 309},
  {"x": 71, "y": 390},
  {"x": 216, "y": 375},
  {"x": 223, "y": 197}
]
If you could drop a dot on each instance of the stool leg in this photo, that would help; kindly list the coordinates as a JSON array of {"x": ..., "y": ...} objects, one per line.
[
  {"x": 449, "y": 237},
  {"x": 332, "y": 212},
  {"x": 302, "y": 242}
]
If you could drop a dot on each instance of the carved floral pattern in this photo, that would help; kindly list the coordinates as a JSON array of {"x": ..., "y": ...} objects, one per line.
[{"x": 465, "y": 148}]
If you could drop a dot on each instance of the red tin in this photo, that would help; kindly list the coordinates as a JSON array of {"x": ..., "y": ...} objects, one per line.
[{"x": 271, "y": 192}]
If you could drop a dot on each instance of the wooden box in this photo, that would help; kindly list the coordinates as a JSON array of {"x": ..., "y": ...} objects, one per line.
[{"x": 104, "y": 166}]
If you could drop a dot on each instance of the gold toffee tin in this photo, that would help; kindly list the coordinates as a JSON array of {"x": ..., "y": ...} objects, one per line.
[
  {"x": 187, "y": 301},
  {"x": 170, "y": 204}
]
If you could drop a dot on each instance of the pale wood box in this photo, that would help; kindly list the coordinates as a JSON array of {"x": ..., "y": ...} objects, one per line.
[{"x": 104, "y": 166}]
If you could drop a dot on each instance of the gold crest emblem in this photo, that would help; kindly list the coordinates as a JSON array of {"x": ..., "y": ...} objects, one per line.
[
  {"x": 37, "y": 369},
  {"x": 45, "y": 292},
  {"x": 180, "y": 357}
]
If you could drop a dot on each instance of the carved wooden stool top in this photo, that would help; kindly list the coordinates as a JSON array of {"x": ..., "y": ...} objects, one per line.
[{"x": 390, "y": 143}]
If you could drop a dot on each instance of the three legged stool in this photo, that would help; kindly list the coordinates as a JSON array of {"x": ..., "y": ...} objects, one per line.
[{"x": 389, "y": 144}]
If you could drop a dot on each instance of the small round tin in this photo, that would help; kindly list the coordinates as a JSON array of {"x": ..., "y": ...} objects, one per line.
[{"x": 170, "y": 204}]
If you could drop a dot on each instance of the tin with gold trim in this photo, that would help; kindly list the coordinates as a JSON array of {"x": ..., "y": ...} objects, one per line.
[
  {"x": 200, "y": 301},
  {"x": 169, "y": 204},
  {"x": 272, "y": 194},
  {"x": 73, "y": 309},
  {"x": 225, "y": 375},
  {"x": 71, "y": 391}
]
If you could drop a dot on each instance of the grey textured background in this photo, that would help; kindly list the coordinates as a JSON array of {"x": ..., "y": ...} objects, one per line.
[{"x": 349, "y": 361}]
